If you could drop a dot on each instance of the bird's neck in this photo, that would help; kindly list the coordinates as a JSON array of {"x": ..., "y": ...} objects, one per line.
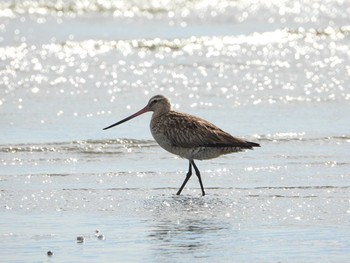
[{"x": 157, "y": 114}]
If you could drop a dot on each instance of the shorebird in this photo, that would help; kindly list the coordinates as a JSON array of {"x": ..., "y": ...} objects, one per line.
[{"x": 188, "y": 136}]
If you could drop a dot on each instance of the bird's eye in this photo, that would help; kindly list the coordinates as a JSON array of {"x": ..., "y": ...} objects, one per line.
[{"x": 154, "y": 101}]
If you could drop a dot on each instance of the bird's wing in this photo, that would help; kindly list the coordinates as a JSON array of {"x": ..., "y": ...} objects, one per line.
[{"x": 188, "y": 131}]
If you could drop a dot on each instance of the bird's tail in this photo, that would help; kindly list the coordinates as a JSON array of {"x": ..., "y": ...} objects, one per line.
[{"x": 252, "y": 144}]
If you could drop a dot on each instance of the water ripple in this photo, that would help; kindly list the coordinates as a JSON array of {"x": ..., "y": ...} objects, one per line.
[{"x": 81, "y": 146}]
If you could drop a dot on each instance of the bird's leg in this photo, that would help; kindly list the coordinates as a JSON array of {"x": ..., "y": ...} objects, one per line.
[
  {"x": 188, "y": 175},
  {"x": 199, "y": 177}
]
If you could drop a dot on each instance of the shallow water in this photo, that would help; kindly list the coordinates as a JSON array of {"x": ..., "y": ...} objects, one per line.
[{"x": 273, "y": 72}]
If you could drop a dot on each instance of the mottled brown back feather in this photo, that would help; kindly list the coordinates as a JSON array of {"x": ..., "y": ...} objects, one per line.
[{"x": 187, "y": 131}]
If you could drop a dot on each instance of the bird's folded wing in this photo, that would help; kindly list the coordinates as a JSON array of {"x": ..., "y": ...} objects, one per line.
[{"x": 188, "y": 131}]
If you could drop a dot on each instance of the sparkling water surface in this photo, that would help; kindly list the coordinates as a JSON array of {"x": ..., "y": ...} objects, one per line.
[{"x": 272, "y": 72}]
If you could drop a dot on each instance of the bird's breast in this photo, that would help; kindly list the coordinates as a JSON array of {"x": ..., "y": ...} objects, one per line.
[{"x": 161, "y": 137}]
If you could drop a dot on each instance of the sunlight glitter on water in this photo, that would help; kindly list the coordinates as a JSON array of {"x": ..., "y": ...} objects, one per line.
[{"x": 92, "y": 51}]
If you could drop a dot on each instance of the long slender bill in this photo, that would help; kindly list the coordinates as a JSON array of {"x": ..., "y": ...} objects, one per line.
[{"x": 145, "y": 109}]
